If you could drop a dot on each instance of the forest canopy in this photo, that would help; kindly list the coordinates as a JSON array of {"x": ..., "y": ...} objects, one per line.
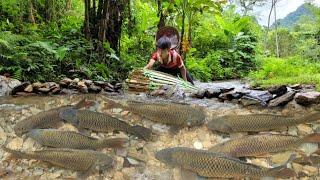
[{"x": 104, "y": 40}]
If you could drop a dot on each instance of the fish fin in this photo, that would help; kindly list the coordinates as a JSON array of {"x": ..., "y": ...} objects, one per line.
[
  {"x": 282, "y": 172},
  {"x": 142, "y": 132},
  {"x": 312, "y": 138},
  {"x": 85, "y": 132},
  {"x": 116, "y": 142},
  {"x": 83, "y": 175},
  {"x": 174, "y": 130},
  {"x": 190, "y": 175},
  {"x": 15, "y": 153}
]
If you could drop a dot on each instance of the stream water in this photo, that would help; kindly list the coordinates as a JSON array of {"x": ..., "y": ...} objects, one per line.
[{"x": 143, "y": 165}]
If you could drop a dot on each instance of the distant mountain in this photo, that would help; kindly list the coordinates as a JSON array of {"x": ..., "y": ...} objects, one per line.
[{"x": 291, "y": 19}]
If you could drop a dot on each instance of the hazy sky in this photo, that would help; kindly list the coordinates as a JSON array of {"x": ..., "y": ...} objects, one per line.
[{"x": 284, "y": 7}]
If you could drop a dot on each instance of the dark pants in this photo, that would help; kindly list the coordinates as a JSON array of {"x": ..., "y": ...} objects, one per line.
[{"x": 175, "y": 72}]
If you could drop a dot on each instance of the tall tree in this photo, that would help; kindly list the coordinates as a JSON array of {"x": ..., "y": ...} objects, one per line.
[
  {"x": 248, "y": 5},
  {"x": 103, "y": 21}
]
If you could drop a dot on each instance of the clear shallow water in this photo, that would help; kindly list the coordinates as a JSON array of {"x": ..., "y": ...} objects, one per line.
[{"x": 14, "y": 109}]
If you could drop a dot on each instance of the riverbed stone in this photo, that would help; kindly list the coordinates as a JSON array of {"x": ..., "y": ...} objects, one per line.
[
  {"x": 65, "y": 82},
  {"x": 94, "y": 89},
  {"x": 29, "y": 88},
  {"x": 261, "y": 96},
  {"x": 15, "y": 144},
  {"x": 44, "y": 90},
  {"x": 307, "y": 98},
  {"x": 310, "y": 170},
  {"x": 19, "y": 88},
  {"x": 282, "y": 100},
  {"x": 246, "y": 101},
  {"x": 278, "y": 90},
  {"x": 7, "y": 84},
  {"x": 200, "y": 94},
  {"x": 304, "y": 129},
  {"x": 212, "y": 92}
]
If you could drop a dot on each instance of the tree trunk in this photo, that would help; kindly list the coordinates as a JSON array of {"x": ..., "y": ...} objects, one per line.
[
  {"x": 31, "y": 16},
  {"x": 87, "y": 33},
  {"x": 50, "y": 10},
  {"x": 276, "y": 28},
  {"x": 162, "y": 18},
  {"x": 104, "y": 23},
  {"x": 183, "y": 23}
]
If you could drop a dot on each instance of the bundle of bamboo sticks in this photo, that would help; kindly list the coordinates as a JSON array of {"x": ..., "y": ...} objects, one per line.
[{"x": 144, "y": 80}]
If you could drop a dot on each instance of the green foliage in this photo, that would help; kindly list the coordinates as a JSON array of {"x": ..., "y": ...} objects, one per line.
[
  {"x": 292, "y": 70},
  {"x": 227, "y": 44}
]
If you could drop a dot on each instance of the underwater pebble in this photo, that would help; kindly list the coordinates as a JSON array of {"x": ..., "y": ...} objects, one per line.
[
  {"x": 304, "y": 129},
  {"x": 15, "y": 144},
  {"x": 297, "y": 167},
  {"x": 311, "y": 170},
  {"x": 198, "y": 145}
]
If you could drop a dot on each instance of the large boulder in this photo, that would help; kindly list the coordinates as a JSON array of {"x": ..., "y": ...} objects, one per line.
[
  {"x": 282, "y": 100},
  {"x": 278, "y": 90},
  {"x": 19, "y": 88},
  {"x": 7, "y": 84},
  {"x": 307, "y": 98}
]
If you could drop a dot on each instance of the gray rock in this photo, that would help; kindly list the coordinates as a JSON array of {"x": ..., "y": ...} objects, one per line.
[
  {"x": 65, "y": 82},
  {"x": 160, "y": 128},
  {"x": 118, "y": 86},
  {"x": 7, "y": 84},
  {"x": 44, "y": 90},
  {"x": 231, "y": 95},
  {"x": 212, "y": 92},
  {"x": 199, "y": 94},
  {"x": 94, "y": 89},
  {"x": 88, "y": 82},
  {"x": 247, "y": 101},
  {"x": 56, "y": 90},
  {"x": 278, "y": 90},
  {"x": 282, "y": 100},
  {"x": 296, "y": 86},
  {"x": 226, "y": 89},
  {"x": 29, "y": 88},
  {"x": 262, "y": 96},
  {"x": 19, "y": 88},
  {"x": 307, "y": 98},
  {"x": 37, "y": 85}
]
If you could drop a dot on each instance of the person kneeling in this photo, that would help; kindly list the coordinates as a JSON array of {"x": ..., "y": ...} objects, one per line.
[{"x": 170, "y": 61}]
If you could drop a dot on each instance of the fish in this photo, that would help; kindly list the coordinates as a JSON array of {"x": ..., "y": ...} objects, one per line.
[
  {"x": 84, "y": 119},
  {"x": 215, "y": 165},
  {"x": 257, "y": 122},
  {"x": 256, "y": 145},
  {"x": 175, "y": 114},
  {"x": 73, "y": 159},
  {"x": 73, "y": 140},
  {"x": 45, "y": 119}
]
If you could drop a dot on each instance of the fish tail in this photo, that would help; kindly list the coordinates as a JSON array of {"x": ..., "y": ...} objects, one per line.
[
  {"x": 141, "y": 132},
  {"x": 282, "y": 172},
  {"x": 17, "y": 154},
  {"x": 312, "y": 138},
  {"x": 115, "y": 142},
  {"x": 315, "y": 116}
]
